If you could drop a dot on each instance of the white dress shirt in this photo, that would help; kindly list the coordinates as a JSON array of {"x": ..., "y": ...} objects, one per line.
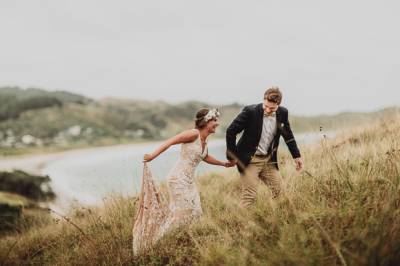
[{"x": 268, "y": 133}]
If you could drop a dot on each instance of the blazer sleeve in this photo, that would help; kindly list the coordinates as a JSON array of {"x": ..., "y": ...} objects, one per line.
[
  {"x": 288, "y": 136},
  {"x": 237, "y": 126}
]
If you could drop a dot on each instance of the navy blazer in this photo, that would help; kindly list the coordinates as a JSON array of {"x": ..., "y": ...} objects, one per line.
[{"x": 250, "y": 121}]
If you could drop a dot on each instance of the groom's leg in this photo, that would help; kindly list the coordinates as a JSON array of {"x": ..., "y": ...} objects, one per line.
[
  {"x": 250, "y": 181},
  {"x": 272, "y": 178}
]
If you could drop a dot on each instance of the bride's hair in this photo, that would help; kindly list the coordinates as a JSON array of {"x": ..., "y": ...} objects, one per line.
[{"x": 200, "y": 118}]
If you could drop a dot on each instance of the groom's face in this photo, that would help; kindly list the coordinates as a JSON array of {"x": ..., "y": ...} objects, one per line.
[{"x": 270, "y": 107}]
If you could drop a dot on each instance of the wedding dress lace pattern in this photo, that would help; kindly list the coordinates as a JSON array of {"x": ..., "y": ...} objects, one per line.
[{"x": 155, "y": 218}]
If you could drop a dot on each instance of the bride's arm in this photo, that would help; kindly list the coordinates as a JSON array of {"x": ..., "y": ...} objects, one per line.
[
  {"x": 211, "y": 160},
  {"x": 184, "y": 137}
]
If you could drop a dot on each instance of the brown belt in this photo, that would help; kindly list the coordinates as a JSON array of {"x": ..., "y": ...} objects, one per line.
[{"x": 261, "y": 156}]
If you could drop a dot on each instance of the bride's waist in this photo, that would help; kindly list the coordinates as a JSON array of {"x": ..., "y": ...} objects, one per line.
[
  {"x": 186, "y": 163},
  {"x": 184, "y": 167}
]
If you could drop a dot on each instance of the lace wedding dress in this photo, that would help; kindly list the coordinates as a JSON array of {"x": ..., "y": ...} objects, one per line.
[{"x": 154, "y": 217}]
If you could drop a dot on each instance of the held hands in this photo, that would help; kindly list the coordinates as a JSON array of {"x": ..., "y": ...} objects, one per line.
[
  {"x": 299, "y": 163},
  {"x": 229, "y": 163}
]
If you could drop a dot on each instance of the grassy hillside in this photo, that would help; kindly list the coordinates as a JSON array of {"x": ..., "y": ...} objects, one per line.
[
  {"x": 20, "y": 195},
  {"x": 343, "y": 209}
]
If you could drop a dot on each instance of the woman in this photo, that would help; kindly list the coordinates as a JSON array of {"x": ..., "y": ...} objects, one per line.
[{"x": 154, "y": 218}]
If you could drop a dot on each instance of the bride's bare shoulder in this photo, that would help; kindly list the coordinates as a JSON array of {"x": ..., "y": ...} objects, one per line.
[{"x": 190, "y": 135}]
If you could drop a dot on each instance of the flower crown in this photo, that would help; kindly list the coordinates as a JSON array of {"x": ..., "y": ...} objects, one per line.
[{"x": 212, "y": 114}]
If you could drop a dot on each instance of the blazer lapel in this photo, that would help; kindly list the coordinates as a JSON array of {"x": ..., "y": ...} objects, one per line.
[
  {"x": 260, "y": 119},
  {"x": 274, "y": 144},
  {"x": 279, "y": 119}
]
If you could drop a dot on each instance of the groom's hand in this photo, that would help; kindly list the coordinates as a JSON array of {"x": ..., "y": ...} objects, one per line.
[
  {"x": 233, "y": 162},
  {"x": 230, "y": 163},
  {"x": 299, "y": 163}
]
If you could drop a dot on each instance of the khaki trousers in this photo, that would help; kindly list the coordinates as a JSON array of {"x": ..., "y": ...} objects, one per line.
[{"x": 260, "y": 169}]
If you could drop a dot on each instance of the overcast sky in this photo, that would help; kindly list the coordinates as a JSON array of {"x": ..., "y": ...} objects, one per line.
[{"x": 327, "y": 56}]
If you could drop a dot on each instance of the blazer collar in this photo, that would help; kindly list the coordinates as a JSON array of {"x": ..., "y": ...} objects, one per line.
[
  {"x": 278, "y": 114},
  {"x": 260, "y": 109}
]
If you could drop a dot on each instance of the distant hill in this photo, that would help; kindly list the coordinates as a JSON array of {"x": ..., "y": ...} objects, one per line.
[
  {"x": 341, "y": 120},
  {"x": 63, "y": 96},
  {"x": 39, "y": 118},
  {"x": 14, "y": 100}
]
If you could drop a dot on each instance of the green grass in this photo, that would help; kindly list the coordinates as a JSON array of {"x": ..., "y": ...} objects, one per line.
[{"x": 343, "y": 209}]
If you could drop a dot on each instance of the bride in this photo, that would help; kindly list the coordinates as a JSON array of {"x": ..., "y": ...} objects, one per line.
[{"x": 154, "y": 217}]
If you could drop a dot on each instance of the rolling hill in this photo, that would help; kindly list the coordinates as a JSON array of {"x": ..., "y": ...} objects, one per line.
[{"x": 32, "y": 119}]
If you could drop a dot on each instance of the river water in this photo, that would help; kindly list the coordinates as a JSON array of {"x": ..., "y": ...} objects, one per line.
[{"x": 90, "y": 175}]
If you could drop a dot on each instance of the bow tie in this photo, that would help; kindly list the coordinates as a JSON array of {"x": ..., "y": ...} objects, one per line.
[{"x": 270, "y": 115}]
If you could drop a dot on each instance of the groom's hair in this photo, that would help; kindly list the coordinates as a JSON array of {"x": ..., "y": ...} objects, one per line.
[{"x": 274, "y": 95}]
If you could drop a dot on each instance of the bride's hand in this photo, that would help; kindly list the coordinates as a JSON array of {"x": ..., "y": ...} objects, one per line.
[{"x": 148, "y": 157}]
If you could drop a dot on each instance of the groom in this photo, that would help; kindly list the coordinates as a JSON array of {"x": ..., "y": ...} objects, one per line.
[{"x": 256, "y": 152}]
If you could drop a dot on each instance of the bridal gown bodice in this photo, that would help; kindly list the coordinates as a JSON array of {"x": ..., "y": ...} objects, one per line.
[
  {"x": 154, "y": 217},
  {"x": 183, "y": 193}
]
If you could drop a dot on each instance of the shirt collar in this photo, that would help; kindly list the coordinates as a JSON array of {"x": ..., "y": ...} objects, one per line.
[{"x": 270, "y": 115}]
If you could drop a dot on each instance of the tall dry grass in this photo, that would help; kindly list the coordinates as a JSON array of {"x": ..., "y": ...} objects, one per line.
[{"x": 343, "y": 209}]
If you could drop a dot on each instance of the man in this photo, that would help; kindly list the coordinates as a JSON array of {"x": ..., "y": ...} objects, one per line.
[{"x": 256, "y": 151}]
